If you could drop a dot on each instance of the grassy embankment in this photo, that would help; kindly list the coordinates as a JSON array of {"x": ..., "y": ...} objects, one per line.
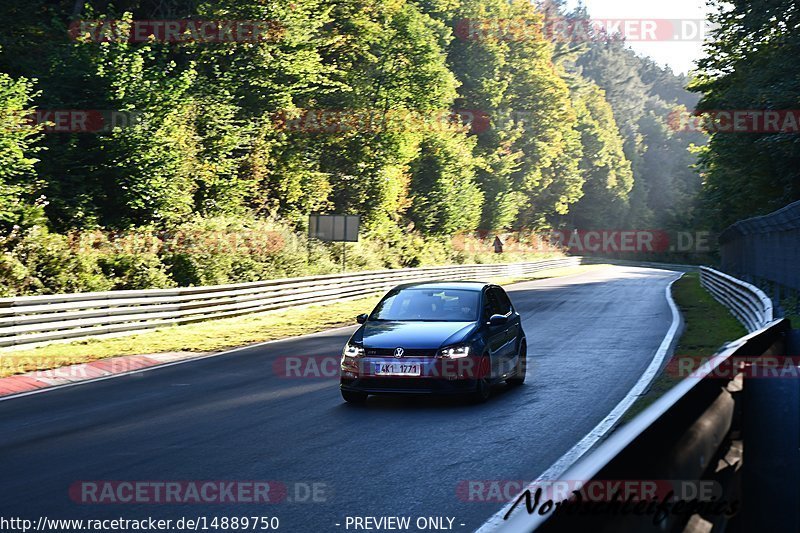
[{"x": 708, "y": 325}]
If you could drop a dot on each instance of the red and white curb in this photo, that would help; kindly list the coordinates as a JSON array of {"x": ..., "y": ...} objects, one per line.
[{"x": 41, "y": 379}]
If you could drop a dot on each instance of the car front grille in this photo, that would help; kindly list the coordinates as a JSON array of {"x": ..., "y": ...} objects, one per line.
[{"x": 407, "y": 352}]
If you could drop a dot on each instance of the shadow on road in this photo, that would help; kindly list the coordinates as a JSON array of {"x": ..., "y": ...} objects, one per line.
[{"x": 501, "y": 393}]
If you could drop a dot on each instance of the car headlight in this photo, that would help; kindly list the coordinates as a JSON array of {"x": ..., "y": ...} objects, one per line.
[
  {"x": 352, "y": 350},
  {"x": 454, "y": 352}
]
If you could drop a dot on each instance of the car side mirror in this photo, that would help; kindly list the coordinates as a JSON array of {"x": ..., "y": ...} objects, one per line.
[
  {"x": 498, "y": 320},
  {"x": 362, "y": 318}
]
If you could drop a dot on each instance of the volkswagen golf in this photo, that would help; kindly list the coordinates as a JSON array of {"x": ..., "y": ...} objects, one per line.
[{"x": 435, "y": 337}]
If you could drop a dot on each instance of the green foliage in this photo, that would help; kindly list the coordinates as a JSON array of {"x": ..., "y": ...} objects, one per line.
[
  {"x": 394, "y": 65},
  {"x": 750, "y": 64},
  {"x": 226, "y": 250},
  {"x": 40, "y": 262},
  {"x": 642, "y": 96},
  {"x": 207, "y": 184},
  {"x": 133, "y": 271},
  {"x": 149, "y": 173},
  {"x": 606, "y": 170},
  {"x": 444, "y": 196},
  {"x": 528, "y": 159},
  {"x": 17, "y": 136}
]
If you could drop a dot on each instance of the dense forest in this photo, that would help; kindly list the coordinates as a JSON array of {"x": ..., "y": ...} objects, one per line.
[
  {"x": 429, "y": 118},
  {"x": 751, "y": 63}
]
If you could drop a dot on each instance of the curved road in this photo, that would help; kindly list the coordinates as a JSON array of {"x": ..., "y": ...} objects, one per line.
[{"x": 590, "y": 338}]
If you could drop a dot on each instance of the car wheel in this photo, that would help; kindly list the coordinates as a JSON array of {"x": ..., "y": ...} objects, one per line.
[
  {"x": 354, "y": 396},
  {"x": 483, "y": 388},
  {"x": 522, "y": 365}
]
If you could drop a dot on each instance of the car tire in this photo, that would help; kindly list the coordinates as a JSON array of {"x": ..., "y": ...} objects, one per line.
[
  {"x": 483, "y": 388},
  {"x": 522, "y": 366},
  {"x": 354, "y": 396}
]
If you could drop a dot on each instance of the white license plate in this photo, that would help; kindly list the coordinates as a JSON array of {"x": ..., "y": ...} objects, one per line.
[{"x": 397, "y": 369}]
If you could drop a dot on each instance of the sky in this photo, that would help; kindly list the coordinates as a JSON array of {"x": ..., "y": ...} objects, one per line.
[{"x": 680, "y": 55}]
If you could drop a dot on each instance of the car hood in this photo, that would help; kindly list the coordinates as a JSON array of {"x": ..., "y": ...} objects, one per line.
[{"x": 414, "y": 335}]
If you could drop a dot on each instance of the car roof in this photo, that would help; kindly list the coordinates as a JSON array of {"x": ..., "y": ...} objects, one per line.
[{"x": 452, "y": 285}]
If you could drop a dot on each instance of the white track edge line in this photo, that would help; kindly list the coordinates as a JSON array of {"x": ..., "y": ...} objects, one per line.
[{"x": 496, "y": 521}]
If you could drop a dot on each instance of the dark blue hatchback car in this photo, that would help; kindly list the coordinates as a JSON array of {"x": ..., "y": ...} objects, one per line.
[{"x": 435, "y": 337}]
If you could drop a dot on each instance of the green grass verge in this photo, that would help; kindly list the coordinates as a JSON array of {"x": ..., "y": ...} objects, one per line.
[
  {"x": 199, "y": 337},
  {"x": 708, "y": 325},
  {"x": 217, "y": 335}
]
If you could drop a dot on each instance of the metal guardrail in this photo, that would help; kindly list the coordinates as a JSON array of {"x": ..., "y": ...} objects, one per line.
[
  {"x": 684, "y": 435},
  {"x": 35, "y": 320},
  {"x": 765, "y": 247},
  {"x": 692, "y": 433},
  {"x": 747, "y": 302}
]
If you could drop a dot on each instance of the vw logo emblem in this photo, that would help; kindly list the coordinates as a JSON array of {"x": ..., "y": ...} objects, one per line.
[{"x": 398, "y": 352}]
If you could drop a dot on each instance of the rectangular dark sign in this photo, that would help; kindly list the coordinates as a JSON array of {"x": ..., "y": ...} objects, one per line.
[{"x": 335, "y": 228}]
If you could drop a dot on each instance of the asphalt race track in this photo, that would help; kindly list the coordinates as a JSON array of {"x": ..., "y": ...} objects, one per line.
[{"x": 233, "y": 417}]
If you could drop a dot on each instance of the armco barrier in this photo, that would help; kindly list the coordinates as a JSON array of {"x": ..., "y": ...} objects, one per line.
[
  {"x": 34, "y": 320},
  {"x": 765, "y": 248},
  {"x": 693, "y": 433},
  {"x": 748, "y": 303}
]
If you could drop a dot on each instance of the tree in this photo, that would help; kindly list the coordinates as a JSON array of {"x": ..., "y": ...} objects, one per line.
[
  {"x": 392, "y": 63},
  {"x": 445, "y": 199},
  {"x": 750, "y": 64},
  {"x": 642, "y": 96},
  {"x": 607, "y": 173},
  {"x": 18, "y": 181}
]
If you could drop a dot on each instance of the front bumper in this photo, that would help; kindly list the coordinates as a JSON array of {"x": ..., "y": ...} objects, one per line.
[
  {"x": 437, "y": 376},
  {"x": 391, "y": 385}
]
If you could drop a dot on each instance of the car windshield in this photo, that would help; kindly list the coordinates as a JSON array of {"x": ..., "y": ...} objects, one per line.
[{"x": 444, "y": 305}]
